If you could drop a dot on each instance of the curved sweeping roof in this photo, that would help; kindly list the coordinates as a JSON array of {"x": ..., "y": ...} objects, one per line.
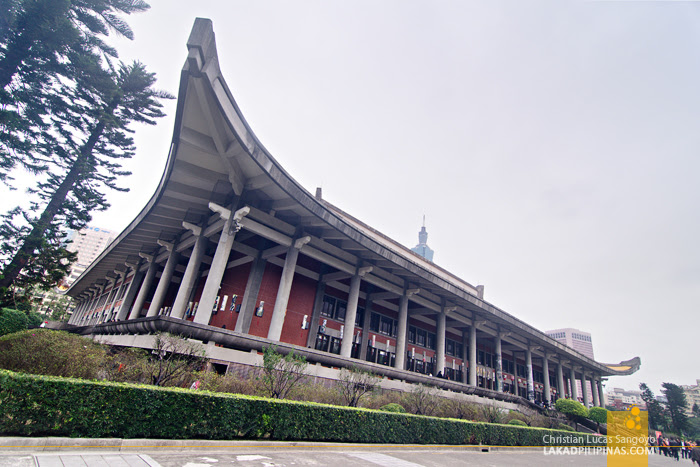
[{"x": 215, "y": 157}]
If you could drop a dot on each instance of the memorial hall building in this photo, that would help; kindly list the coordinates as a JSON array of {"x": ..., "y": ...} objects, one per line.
[{"x": 232, "y": 251}]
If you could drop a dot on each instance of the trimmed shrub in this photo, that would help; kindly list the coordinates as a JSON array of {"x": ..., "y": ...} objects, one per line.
[
  {"x": 598, "y": 414},
  {"x": 34, "y": 320},
  {"x": 565, "y": 427},
  {"x": 12, "y": 321},
  {"x": 393, "y": 407},
  {"x": 517, "y": 422},
  {"x": 571, "y": 408},
  {"x": 49, "y": 406},
  {"x": 57, "y": 353}
]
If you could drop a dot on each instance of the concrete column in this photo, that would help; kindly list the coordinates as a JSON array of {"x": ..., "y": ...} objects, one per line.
[
  {"x": 184, "y": 292},
  {"x": 400, "y": 362},
  {"x": 95, "y": 315},
  {"x": 76, "y": 312},
  {"x": 285, "y": 287},
  {"x": 351, "y": 311},
  {"x": 584, "y": 388},
  {"x": 99, "y": 318},
  {"x": 113, "y": 311},
  {"x": 365, "y": 327},
  {"x": 75, "y": 317},
  {"x": 316, "y": 314},
  {"x": 530, "y": 382},
  {"x": 560, "y": 380},
  {"x": 465, "y": 354},
  {"x": 145, "y": 286},
  {"x": 574, "y": 389},
  {"x": 594, "y": 390},
  {"x": 472, "y": 354},
  {"x": 601, "y": 394},
  {"x": 93, "y": 305},
  {"x": 80, "y": 321},
  {"x": 440, "y": 351},
  {"x": 499, "y": 362},
  {"x": 545, "y": 370},
  {"x": 250, "y": 296},
  {"x": 130, "y": 294},
  {"x": 218, "y": 264},
  {"x": 165, "y": 278}
]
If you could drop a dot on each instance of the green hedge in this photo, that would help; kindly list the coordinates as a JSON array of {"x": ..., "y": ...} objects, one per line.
[
  {"x": 12, "y": 321},
  {"x": 50, "y": 406}
]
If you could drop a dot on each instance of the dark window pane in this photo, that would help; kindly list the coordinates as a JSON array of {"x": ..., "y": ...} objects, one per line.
[
  {"x": 374, "y": 322},
  {"x": 421, "y": 337},
  {"x": 411, "y": 335},
  {"x": 386, "y": 326},
  {"x": 431, "y": 344},
  {"x": 340, "y": 308},
  {"x": 360, "y": 318},
  {"x": 328, "y": 306}
]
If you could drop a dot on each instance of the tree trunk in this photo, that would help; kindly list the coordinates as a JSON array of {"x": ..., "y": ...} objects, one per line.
[{"x": 33, "y": 241}]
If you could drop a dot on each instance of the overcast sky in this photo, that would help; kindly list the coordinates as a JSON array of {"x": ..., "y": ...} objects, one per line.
[{"x": 551, "y": 146}]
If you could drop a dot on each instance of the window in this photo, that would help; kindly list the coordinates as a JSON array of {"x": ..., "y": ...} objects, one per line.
[
  {"x": 386, "y": 326},
  {"x": 450, "y": 347},
  {"x": 328, "y": 306},
  {"x": 340, "y": 309},
  {"x": 411, "y": 335},
  {"x": 360, "y": 317},
  {"x": 334, "y": 308},
  {"x": 421, "y": 337},
  {"x": 374, "y": 322},
  {"x": 431, "y": 342}
]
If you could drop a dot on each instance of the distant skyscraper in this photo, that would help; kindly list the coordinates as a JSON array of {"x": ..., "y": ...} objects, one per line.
[
  {"x": 422, "y": 248},
  {"x": 577, "y": 340},
  {"x": 88, "y": 243}
]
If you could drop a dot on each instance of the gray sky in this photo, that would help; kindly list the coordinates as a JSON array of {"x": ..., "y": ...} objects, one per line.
[{"x": 551, "y": 145}]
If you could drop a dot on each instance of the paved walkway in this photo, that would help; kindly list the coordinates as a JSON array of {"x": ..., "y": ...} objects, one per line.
[{"x": 69, "y": 452}]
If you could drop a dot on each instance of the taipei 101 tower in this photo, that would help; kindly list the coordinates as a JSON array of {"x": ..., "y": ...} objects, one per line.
[{"x": 422, "y": 248}]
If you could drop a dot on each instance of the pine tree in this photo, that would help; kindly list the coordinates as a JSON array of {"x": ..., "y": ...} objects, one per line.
[
  {"x": 657, "y": 419},
  {"x": 92, "y": 135},
  {"x": 65, "y": 111},
  {"x": 42, "y": 43},
  {"x": 677, "y": 405}
]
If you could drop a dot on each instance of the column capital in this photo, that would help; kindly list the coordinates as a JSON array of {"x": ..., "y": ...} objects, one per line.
[
  {"x": 238, "y": 217},
  {"x": 449, "y": 309},
  {"x": 167, "y": 245},
  {"x": 222, "y": 211},
  {"x": 477, "y": 323},
  {"x": 412, "y": 292},
  {"x": 300, "y": 242},
  {"x": 146, "y": 256},
  {"x": 195, "y": 229},
  {"x": 363, "y": 271}
]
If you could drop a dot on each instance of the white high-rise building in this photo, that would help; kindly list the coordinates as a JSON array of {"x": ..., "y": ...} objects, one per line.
[
  {"x": 579, "y": 341},
  {"x": 88, "y": 243}
]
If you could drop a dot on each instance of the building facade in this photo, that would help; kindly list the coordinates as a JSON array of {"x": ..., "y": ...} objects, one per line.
[
  {"x": 692, "y": 395},
  {"x": 580, "y": 341},
  {"x": 231, "y": 250},
  {"x": 88, "y": 243},
  {"x": 623, "y": 399}
]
